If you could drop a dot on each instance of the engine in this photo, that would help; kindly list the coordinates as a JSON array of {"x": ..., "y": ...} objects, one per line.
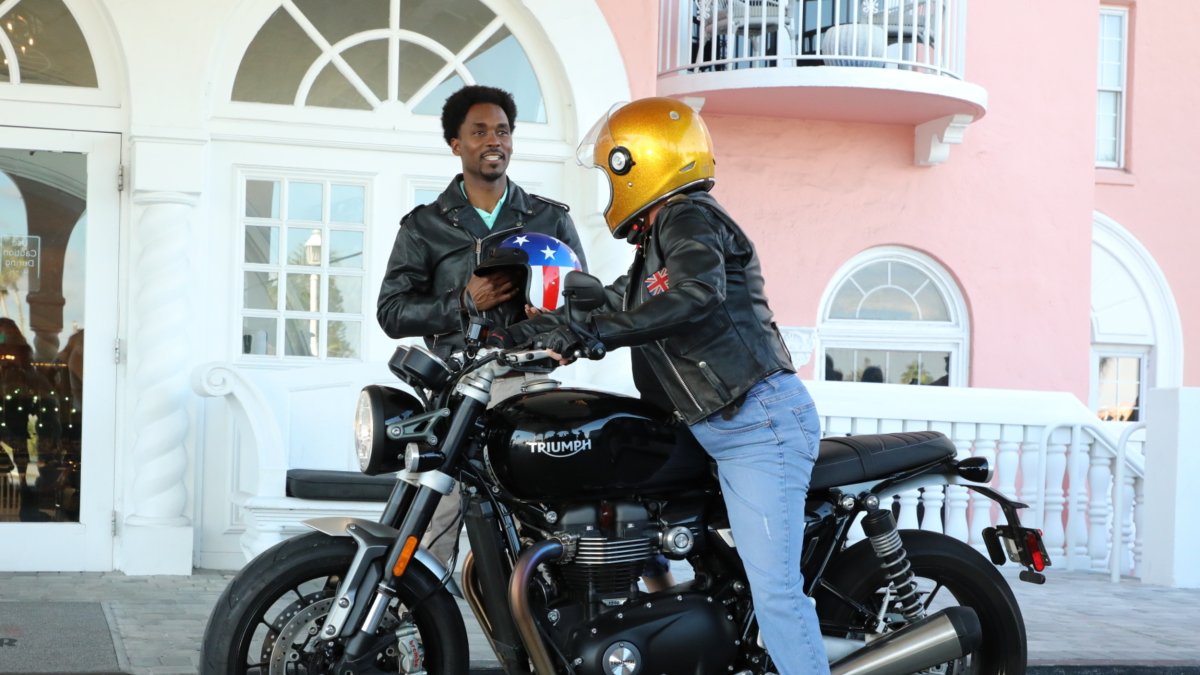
[{"x": 600, "y": 620}]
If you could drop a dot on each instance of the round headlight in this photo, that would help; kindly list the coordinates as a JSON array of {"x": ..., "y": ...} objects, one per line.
[{"x": 377, "y": 407}]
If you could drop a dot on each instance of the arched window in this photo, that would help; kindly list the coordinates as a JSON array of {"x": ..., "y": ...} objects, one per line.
[
  {"x": 367, "y": 54},
  {"x": 41, "y": 43},
  {"x": 893, "y": 315}
]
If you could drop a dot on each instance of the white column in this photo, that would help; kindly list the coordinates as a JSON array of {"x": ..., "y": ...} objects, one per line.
[
  {"x": 1172, "y": 542},
  {"x": 1056, "y": 470},
  {"x": 1077, "y": 500},
  {"x": 156, "y": 534},
  {"x": 981, "y": 505},
  {"x": 1100, "y": 510},
  {"x": 957, "y": 498}
]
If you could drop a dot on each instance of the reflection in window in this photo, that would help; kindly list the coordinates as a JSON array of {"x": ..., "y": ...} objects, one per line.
[
  {"x": 1119, "y": 395},
  {"x": 297, "y": 233},
  {"x": 895, "y": 317},
  {"x": 350, "y": 55},
  {"x": 47, "y": 43}
]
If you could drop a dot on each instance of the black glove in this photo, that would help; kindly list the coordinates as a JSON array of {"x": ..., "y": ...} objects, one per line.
[{"x": 562, "y": 340}]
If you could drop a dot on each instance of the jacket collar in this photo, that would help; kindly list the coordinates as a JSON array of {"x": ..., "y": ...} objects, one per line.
[{"x": 452, "y": 199}]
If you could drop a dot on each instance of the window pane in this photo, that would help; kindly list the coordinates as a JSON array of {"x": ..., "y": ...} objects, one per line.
[
  {"x": 451, "y": 22},
  {"x": 258, "y": 336},
  {"x": 346, "y": 249},
  {"x": 303, "y": 292},
  {"x": 872, "y": 276},
  {"x": 346, "y": 203},
  {"x": 261, "y": 291},
  {"x": 500, "y": 63},
  {"x": 50, "y": 47},
  {"x": 889, "y": 304},
  {"x": 932, "y": 304},
  {"x": 845, "y": 303},
  {"x": 262, "y": 199},
  {"x": 370, "y": 61},
  {"x": 304, "y": 201},
  {"x": 344, "y": 338},
  {"x": 908, "y": 277},
  {"x": 838, "y": 362},
  {"x": 275, "y": 62},
  {"x": 1107, "y": 126},
  {"x": 262, "y": 244},
  {"x": 345, "y": 294},
  {"x": 304, "y": 246},
  {"x": 341, "y": 19},
  {"x": 300, "y": 337},
  {"x": 331, "y": 89},
  {"x": 418, "y": 65}
]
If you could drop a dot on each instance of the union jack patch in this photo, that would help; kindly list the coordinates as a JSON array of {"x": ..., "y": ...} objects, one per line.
[{"x": 658, "y": 282}]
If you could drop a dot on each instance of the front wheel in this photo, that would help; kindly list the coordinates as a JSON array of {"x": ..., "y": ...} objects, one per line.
[
  {"x": 267, "y": 620},
  {"x": 948, "y": 573}
]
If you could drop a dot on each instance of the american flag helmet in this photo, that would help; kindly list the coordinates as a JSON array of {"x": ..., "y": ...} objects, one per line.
[{"x": 544, "y": 260}]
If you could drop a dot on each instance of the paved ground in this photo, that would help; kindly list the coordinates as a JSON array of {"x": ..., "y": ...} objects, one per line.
[{"x": 1077, "y": 619}]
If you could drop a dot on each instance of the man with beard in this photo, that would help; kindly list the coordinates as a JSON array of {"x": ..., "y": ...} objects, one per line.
[{"x": 430, "y": 278}]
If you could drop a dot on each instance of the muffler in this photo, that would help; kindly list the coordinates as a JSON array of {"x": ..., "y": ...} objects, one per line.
[{"x": 947, "y": 635}]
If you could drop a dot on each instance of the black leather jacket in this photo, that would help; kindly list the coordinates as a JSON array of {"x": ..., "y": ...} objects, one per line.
[
  {"x": 692, "y": 307},
  {"x": 436, "y": 250}
]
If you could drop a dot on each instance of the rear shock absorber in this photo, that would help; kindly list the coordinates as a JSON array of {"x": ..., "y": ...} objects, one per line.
[{"x": 880, "y": 527}]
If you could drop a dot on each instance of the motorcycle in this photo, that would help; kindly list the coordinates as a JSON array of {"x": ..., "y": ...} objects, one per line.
[{"x": 567, "y": 493}]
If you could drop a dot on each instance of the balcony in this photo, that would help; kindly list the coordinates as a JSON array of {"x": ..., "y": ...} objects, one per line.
[{"x": 871, "y": 61}]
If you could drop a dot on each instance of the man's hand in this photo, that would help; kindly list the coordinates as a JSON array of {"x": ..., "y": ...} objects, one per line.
[{"x": 491, "y": 290}]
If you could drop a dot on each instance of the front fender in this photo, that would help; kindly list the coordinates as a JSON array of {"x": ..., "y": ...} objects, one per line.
[{"x": 338, "y": 526}]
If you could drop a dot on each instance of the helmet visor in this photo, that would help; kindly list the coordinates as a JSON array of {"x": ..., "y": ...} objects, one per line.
[{"x": 585, "y": 154}]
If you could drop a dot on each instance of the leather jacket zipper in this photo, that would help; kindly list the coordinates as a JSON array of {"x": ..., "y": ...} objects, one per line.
[{"x": 679, "y": 377}]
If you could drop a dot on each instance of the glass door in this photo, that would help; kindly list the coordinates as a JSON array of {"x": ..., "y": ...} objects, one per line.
[{"x": 58, "y": 312}]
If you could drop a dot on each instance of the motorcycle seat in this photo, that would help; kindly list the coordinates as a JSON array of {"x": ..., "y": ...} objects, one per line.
[
  {"x": 846, "y": 460},
  {"x": 342, "y": 486}
]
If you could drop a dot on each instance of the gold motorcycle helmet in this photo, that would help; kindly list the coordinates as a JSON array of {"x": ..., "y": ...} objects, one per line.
[{"x": 649, "y": 150}]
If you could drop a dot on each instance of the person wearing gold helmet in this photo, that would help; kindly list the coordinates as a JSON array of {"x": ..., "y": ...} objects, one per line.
[{"x": 693, "y": 309}]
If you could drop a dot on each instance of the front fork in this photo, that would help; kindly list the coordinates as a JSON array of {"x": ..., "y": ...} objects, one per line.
[{"x": 415, "y": 500}]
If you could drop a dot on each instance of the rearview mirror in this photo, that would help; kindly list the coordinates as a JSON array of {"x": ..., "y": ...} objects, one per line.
[{"x": 584, "y": 291}]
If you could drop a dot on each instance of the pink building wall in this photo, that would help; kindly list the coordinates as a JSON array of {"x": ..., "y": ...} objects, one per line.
[
  {"x": 1009, "y": 214},
  {"x": 1156, "y": 200}
]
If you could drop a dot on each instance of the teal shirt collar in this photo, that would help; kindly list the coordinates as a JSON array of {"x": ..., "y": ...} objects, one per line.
[{"x": 489, "y": 218}]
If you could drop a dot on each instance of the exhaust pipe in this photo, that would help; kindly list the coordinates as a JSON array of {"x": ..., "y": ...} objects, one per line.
[
  {"x": 518, "y": 601},
  {"x": 936, "y": 639}
]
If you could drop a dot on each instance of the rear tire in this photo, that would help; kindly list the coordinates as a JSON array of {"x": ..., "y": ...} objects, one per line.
[
  {"x": 288, "y": 589},
  {"x": 971, "y": 579}
]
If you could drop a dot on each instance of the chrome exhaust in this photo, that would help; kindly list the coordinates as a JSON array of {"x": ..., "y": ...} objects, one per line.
[
  {"x": 936, "y": 639},
  {"x": 470, "y": 586},
  {"x": 518, "y": 601}
]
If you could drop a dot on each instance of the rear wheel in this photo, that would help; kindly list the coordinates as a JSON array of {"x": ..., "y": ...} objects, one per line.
[
  {"x": 268, "y": 619},
  {"x": 948, "y": 573}
]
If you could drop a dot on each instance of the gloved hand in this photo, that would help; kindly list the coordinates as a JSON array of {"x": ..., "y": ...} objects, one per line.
[{"x": 561, "y": 340}]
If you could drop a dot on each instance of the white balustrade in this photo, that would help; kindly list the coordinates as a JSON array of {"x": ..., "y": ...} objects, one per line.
[
  {"x": 706, "y": 35},
  {"x": 1048, "y": 452}
]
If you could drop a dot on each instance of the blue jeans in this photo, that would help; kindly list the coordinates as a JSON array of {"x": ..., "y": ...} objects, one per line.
[{"x": 764, "y": 456}]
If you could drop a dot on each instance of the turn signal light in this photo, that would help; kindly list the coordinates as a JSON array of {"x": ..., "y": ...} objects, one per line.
[{"x": 406, "y": 554}]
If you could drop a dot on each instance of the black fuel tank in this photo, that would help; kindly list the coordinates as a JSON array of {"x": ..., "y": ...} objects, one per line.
[{"x": 579, "y": 444}]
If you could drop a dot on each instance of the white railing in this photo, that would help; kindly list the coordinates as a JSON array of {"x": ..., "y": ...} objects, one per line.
[
  {"x": 1048, "y": 450},
  {"x": 713, "y": 35}
]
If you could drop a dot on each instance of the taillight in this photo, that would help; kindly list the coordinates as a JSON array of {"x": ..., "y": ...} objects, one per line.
[{"x": 1034, "y": 546}]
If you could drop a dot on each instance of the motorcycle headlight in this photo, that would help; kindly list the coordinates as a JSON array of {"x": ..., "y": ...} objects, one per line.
[{"x": 377, "y": 407}]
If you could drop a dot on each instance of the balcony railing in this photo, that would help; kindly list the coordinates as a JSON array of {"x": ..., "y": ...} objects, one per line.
[{"x": 925, "y": 36}]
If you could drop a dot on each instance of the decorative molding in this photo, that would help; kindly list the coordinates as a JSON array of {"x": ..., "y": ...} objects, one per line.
[
  {"x": 934, "y": 138},
  {"x": 255, "y": 415},
  {"x": 800, "y": 342}
]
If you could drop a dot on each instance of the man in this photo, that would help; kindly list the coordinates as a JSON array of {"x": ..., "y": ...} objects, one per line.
[
  {"x": 694, "y": 311},
  {"x": 429, "y": 275}
]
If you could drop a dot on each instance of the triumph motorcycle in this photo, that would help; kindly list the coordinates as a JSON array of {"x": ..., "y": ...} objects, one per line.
[{"x": 566, "y": 494}]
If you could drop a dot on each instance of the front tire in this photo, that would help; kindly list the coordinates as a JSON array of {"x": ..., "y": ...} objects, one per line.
[
  {"x": 944, "y": 567},
  {"x": 265, "y": 621}
]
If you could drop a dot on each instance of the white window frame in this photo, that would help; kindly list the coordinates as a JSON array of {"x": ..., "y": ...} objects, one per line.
[
  {"x": 951, "y": 336},
  {"x": 1105, "y": 350},
  {"x": 280, "y": 314},
  {"x": 1122, "y": 90}
]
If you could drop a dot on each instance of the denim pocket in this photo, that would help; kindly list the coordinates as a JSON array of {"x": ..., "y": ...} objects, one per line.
[
  {"x": 751, "y": 416},
  {"x": 810, "y": 426}
]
